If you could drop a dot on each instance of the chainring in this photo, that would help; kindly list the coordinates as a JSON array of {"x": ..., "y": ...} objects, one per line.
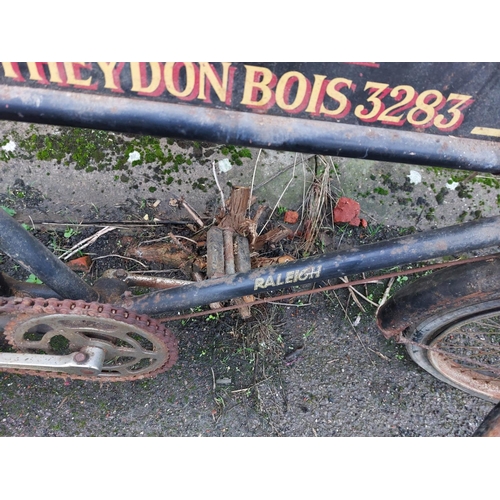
[{"x": 136, "y": 346}]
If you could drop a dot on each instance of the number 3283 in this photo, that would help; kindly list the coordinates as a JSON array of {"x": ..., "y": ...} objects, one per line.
[{"x": 422, "y": 110}]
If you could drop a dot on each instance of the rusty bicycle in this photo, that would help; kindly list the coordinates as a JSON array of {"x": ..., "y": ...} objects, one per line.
[{"x": 422, "y": 114}]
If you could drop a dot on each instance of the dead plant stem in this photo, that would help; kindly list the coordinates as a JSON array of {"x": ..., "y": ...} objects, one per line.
[
  {"x": 223, "y": 202},
  {"x": 86, "y": 242},
  {"x": 281, "y": 196},
  {"x": 253, "y": 180}
]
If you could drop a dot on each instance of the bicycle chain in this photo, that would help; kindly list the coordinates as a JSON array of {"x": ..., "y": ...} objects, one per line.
[{"x": 24, "y": 307}]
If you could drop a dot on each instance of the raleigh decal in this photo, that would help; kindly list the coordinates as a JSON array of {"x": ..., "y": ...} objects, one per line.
[{"x": 287, "y": 278}]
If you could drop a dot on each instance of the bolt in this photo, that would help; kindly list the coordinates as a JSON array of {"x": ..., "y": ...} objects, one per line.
[{"x": 80, "y": 357}]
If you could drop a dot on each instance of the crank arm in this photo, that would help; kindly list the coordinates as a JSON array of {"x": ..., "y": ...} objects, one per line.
[{"x": 87, "y": 361}]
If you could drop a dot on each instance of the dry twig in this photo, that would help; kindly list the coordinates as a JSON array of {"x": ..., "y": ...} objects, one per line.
[
  {"x": 318, "y": 194},
  {"x": 352, "y": 325},
  {"x": 354, "y": 291},
  {"x": 223, "y": 202},
  {"x": 253, "y": 180},
  {"x": 192, "y": 212},
  {"x": 387, "y": 291},
  {"x": 86, "y": 242},
  {"x": 121, "y": 257}
]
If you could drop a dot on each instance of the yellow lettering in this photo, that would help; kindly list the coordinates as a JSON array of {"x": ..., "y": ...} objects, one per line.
[
  {"x": 316, "y": 273},
  {"x": 303, "y": 275},
  {"x": 139, "y": 78},
  {"x": 220, "y": 85},
  {"x": 171, "y": 73},
  {"x": 269, "y": 282},
  {"x": 109, "y": 77},
  {"x": 54, "y": 74},
  {"x": 252, "y": 87},
  {"x": 312, "y": 107},
  {"x": 34, "y": 72},
  {"x": 290, "y": 277},
  {"x": 455, "y": 111},
  {"x": 427, "y": 105},
  {"x": 11, "y": 70},
  {"x": 73, "y": 74},
  {"x": 283, "y": 90},
  {"x": 344, "y": 104}
]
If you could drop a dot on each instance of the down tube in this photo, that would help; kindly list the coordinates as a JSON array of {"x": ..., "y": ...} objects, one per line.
[
  {"x": 400, "y": 251},
  {"x": 26, "y": 250}
]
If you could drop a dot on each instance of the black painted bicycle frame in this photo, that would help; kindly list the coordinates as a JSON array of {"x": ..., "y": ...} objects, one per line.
[{"x": 22, "y": 102}]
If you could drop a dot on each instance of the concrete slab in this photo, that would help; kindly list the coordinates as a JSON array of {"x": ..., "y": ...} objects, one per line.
[
  {"x": 423, "y": 197},
  {"x": 76, "y": 173},
  {"x": 77, "y": 170}
]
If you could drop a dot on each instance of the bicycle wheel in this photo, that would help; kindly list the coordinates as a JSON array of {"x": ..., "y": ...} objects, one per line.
[
  {"x": 462, "y": 348},
  {"x": 452, "y": 322}
]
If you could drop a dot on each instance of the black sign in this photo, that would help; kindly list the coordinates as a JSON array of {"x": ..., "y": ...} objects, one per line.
[{"x": 458, "y": 100}]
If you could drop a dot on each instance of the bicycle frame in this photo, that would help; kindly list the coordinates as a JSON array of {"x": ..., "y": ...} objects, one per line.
[
  {"x": 20, "y": 245},
  {"x": 415, "y": 113},
  {"x": 276, "y": 106}
]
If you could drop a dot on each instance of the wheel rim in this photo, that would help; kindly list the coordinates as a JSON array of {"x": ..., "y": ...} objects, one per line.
[{"x": 468, "y": 353}]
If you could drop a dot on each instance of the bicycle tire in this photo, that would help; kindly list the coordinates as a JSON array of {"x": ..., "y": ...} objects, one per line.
[
  {"x": 442, "y": 341},
  {"x": 451, "y": 323}
]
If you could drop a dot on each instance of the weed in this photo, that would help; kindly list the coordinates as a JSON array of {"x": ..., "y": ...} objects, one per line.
[
  {"x": 373, "y": 230},
  {"x": 430, "y": 215},
  {"x": 10, "y": 211},
  {"x": 55, "y": 244},
  {"x": 440, "y": 196},
  {"x": 69, "y": 232},
  {"x": 401, "y": 279},
  {"x": 344, "y": 229},
  {"x": 33, "y": 279},
  {"x": 219, "y": 401},
  {"x": 309, "y": 332}
]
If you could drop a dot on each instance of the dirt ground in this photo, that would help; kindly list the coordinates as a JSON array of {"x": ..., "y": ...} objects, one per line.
[{"x": 312, "y": 366}]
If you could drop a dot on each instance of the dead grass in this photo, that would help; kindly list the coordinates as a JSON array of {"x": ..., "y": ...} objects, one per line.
[{"x": 318, "y": 205}]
